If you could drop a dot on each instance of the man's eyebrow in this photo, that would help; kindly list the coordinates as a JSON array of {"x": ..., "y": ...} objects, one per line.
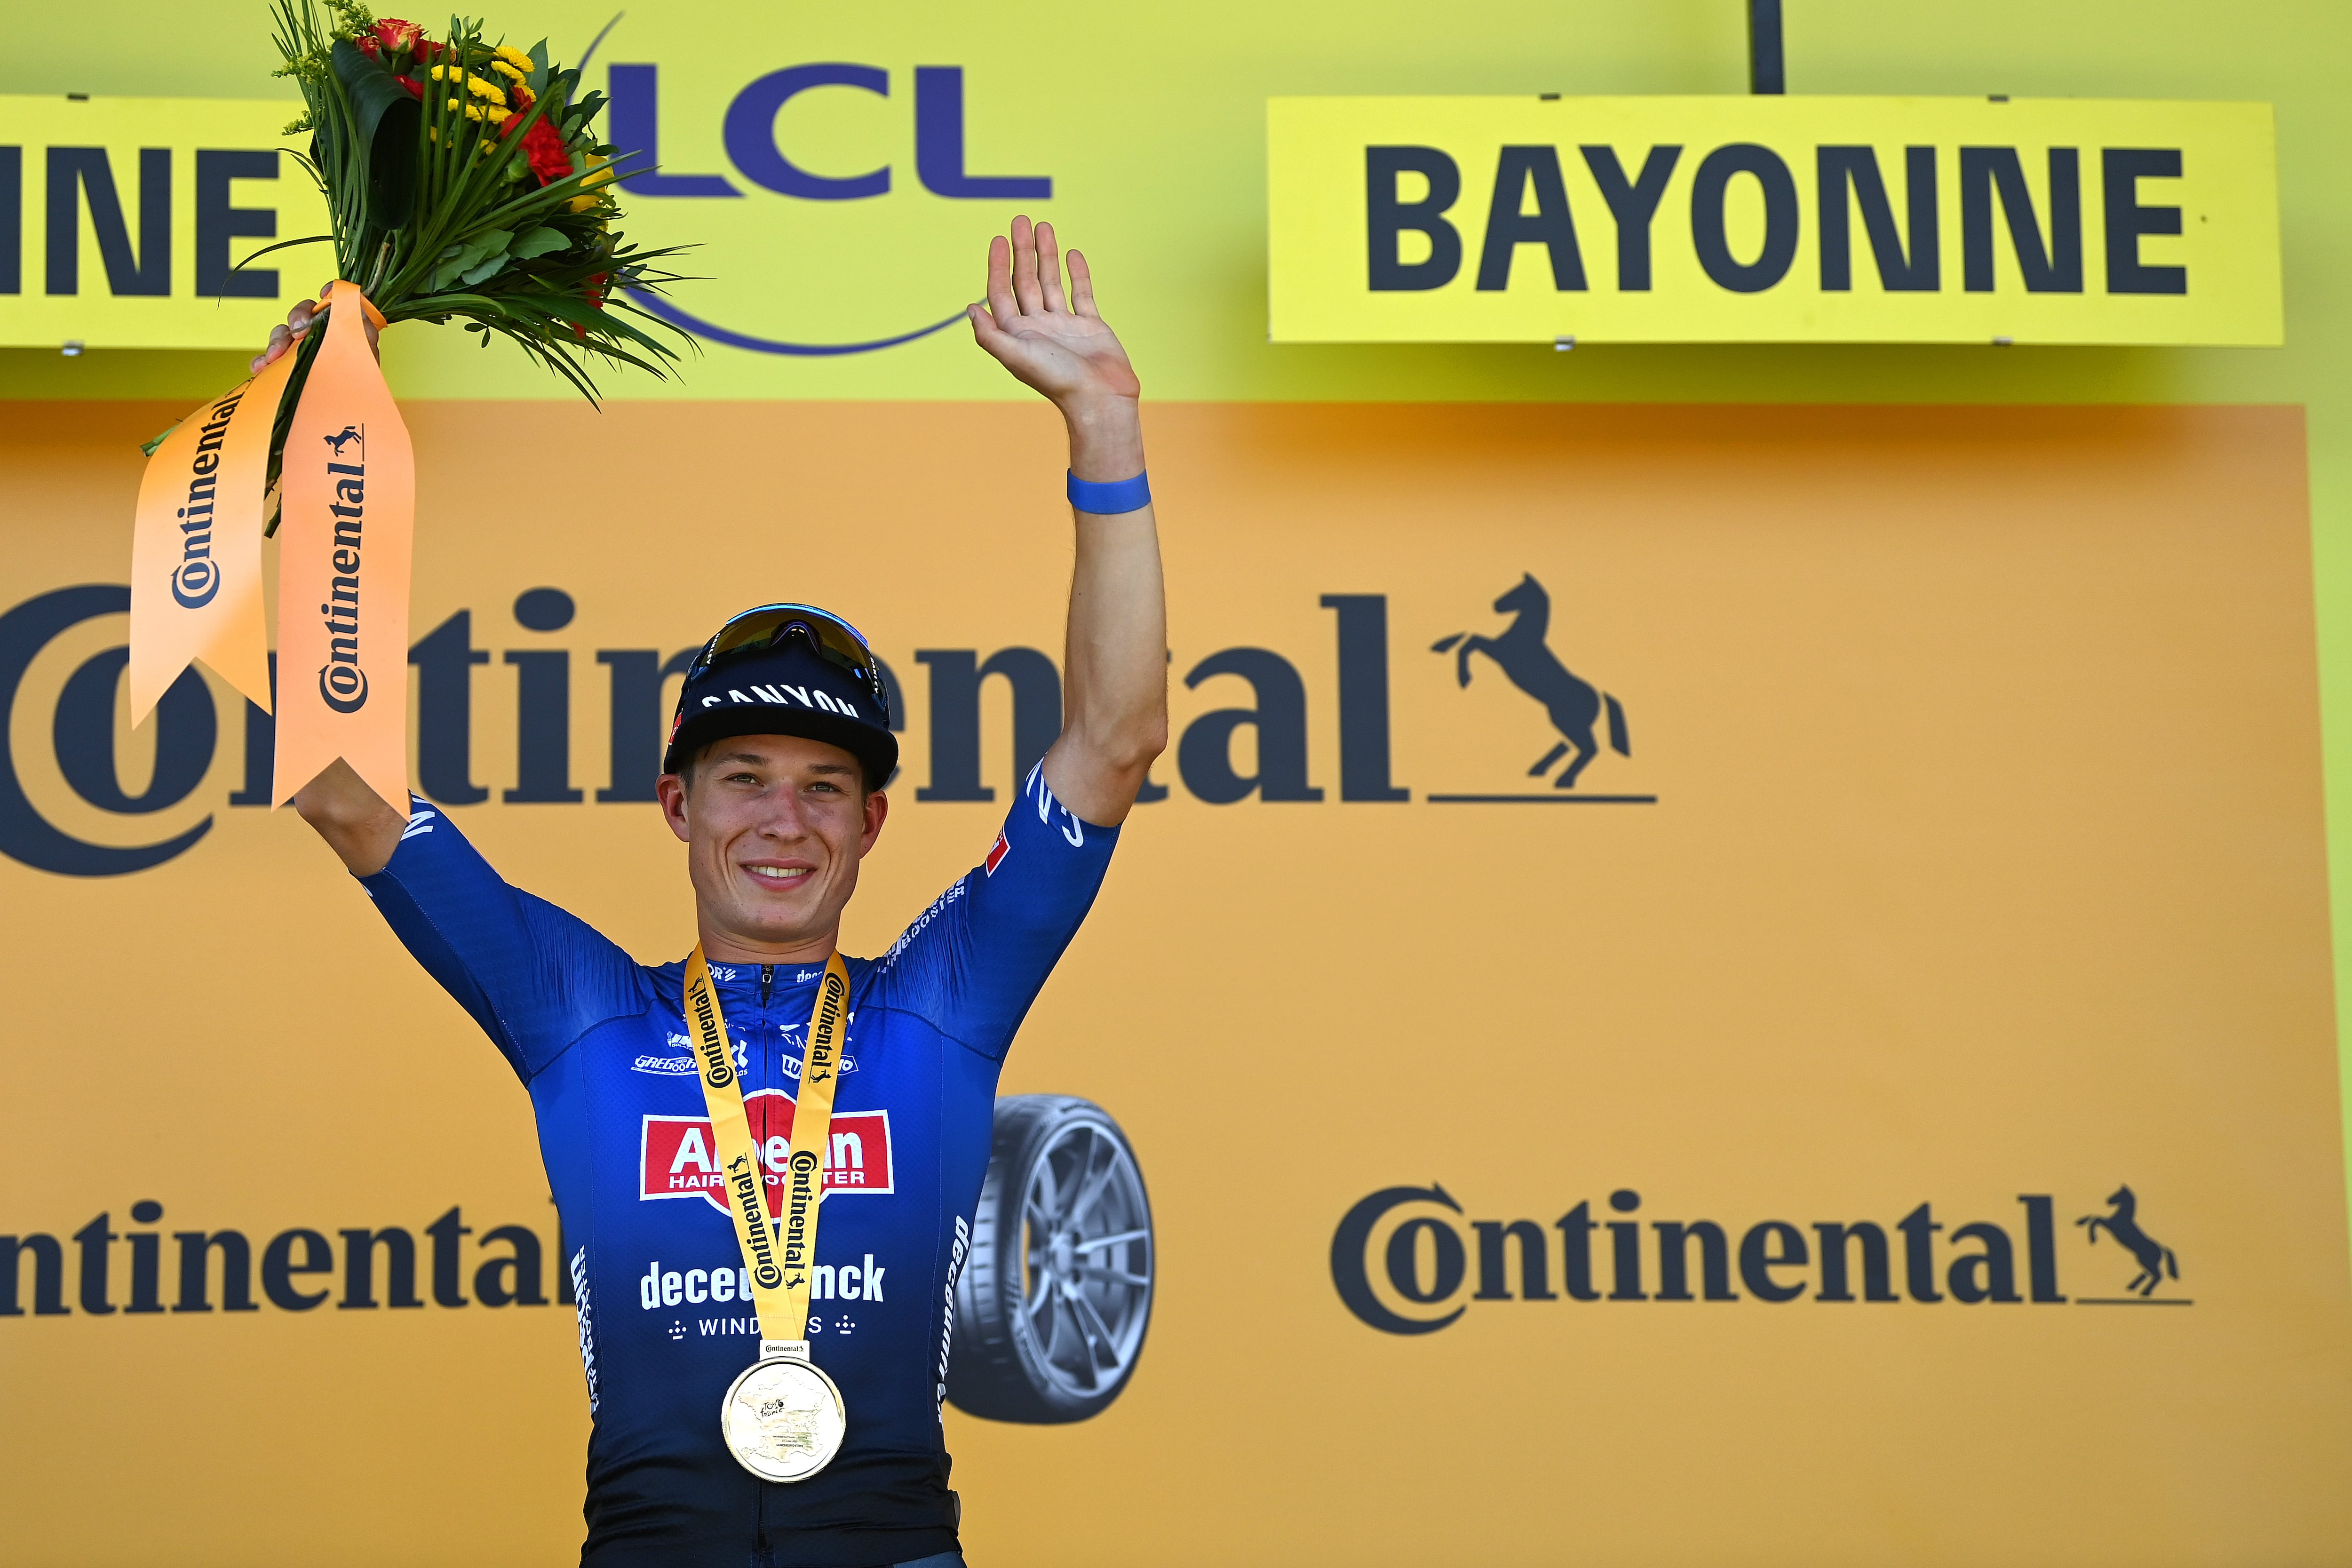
[
  {"x": 832, "y": 767},
  {"x": 752, "y": 757}
]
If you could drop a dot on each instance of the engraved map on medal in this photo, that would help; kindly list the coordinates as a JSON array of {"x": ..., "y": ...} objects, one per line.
[{"x": 782, "y": 1421}]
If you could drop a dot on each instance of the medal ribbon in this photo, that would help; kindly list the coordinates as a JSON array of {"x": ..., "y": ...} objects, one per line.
[{"x": 779, "y": 1265}]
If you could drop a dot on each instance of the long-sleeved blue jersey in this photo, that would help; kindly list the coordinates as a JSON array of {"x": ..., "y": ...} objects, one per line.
[{"x": 665, "y": 1319}]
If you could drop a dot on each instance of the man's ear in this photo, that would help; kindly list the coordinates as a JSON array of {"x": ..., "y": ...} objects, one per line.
[
  {"x": 878, "y": 808},
  {"x": 671, "y": 789}
]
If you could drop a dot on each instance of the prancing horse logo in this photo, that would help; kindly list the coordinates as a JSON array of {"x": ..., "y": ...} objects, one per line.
[
  {"x": 350, "y": 433},
  {"x": 2155, "y": 1259},
  {"x": 1573, "y": 703}
]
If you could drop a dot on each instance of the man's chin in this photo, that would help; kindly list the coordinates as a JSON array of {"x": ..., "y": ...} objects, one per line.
[{"x": 779, "y": 918}]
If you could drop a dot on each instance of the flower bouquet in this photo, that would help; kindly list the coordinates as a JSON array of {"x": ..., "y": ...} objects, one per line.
[{"x": 463, "y": 182}]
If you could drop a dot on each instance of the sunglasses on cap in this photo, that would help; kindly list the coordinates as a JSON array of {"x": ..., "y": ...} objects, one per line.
[{"x": 770, "y": 626}]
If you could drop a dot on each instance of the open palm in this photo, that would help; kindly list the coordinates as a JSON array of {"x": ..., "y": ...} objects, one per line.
[{"x": 1054, "y": 343}]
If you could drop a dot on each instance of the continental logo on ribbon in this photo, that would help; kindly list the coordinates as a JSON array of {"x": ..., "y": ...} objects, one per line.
[
  {"x": 1402, "y": 1257},
  {"x": 744, "y": 1182},
  {"x": 708, "y": 1043},
  {"x": 1765, "y": 219}
]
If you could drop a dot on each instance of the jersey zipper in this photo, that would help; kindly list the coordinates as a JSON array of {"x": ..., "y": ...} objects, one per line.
[{"x": 768, "y": 1035}]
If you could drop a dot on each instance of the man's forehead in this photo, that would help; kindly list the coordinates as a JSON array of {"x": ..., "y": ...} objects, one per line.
[{"x": 783, "y": 751}]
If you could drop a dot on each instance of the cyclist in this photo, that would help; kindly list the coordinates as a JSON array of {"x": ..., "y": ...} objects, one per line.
[{"x": 773, "y": 782}]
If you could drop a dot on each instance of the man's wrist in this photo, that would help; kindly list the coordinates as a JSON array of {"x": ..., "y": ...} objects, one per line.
[{"x": 1106, "y": 439}]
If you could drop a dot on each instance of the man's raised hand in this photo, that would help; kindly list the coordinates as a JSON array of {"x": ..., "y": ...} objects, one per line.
[{"x": 1056, "y": 343}]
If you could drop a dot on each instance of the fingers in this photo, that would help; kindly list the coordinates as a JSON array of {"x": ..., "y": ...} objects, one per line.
[
  {"x": 1026, "y": 287},
  {"x": 279, "y": 340},
  {"x": 1049, "y": 267},
  {"x": 1082, "y": 285},
  {"x": 298, "y": 325},
  {"x": 999, "y": 281},
  {"x": 984, "y": 330}
]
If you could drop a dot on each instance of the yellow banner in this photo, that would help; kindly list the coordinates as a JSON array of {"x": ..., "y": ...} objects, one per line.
[
  {"x": 122, "y": 221},
  {"x": 1766, "y": 219}
]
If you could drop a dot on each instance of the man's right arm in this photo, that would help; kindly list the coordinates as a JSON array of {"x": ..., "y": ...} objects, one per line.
[{"x": 352, "y": 817}]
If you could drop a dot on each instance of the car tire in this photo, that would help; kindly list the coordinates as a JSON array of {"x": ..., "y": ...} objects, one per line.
[{"x": 1055, "y": 1294}]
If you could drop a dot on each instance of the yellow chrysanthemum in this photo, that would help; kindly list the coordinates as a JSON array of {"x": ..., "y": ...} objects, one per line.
[
  {"x": 584, "y": 203},
  {"x": 453, "y": 106},
  {"x": 440, "y": 73},
  {"x": 509, "y": 71},
  {"x": 599, "y": 171},
  {"x": 497, "y": 116},
  {"x": 471, "y": 113},
  {"x": 489, "y": 89},
  {"x": 513, "y": 56}
]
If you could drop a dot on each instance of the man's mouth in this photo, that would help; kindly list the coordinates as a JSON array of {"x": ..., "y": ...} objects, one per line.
[{"x": 782, "y": 875}]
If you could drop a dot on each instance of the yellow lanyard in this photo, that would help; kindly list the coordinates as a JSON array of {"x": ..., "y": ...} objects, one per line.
[{"x": 780, "y": 1267}]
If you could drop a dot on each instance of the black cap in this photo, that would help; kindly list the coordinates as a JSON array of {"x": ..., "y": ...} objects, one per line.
[{"x": 784, "y": 688}]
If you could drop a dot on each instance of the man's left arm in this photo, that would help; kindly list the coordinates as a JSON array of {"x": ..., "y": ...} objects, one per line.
[{"x": 1114, "y": 665}]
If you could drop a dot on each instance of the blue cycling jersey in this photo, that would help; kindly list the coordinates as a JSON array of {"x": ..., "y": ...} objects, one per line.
[{"x": 665, "y": 1319}]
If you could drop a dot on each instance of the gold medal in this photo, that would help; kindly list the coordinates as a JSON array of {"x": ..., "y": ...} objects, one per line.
[{"x": 782, "y": 1418}]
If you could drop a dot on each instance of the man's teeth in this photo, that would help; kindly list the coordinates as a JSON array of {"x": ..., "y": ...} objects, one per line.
[{"x": 779, "y": 873}]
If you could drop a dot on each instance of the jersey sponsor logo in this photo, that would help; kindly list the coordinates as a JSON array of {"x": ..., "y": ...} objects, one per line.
[
  {"x": 907, "y": 938},
  {"x": 685, "y": 1067},
  {"x": 1051, "y": 812},
  {"x": 660, "y": 1286},
  {"x": 996, "y": 854},
  {"x": 578, "y": 1267},
  {"x": 678, "y": 1158}
]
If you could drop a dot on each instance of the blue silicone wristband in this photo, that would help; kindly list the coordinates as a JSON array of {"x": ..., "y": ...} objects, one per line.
[{"x": 1110, "y": 500}]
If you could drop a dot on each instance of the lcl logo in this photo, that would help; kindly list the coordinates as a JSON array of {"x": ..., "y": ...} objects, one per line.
[{"x": 760, "y": 160}]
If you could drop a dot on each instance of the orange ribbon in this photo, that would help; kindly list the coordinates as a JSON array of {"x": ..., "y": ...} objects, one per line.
[
  {"x": 196, "y": 547},
  {"x": 347, "y": 510}
]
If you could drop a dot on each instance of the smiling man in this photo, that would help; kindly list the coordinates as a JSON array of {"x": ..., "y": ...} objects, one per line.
[{"x": 690, "y": 1114}]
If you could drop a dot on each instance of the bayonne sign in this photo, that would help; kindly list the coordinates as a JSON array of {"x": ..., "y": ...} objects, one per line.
[{"x": 1771, "y": 220}]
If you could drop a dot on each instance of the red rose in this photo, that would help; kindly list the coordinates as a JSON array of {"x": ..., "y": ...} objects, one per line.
[
  {"x": 415, "y": 89},
  {"x": 394, "y": 35}
]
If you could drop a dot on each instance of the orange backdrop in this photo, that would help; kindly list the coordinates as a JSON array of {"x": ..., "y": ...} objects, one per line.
[{"x": 1984, "y": 861}]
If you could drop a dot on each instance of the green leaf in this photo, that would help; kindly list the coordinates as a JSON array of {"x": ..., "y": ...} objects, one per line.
[
  {"x": 538, "y": 80},
  {"x": 386, "y": 120},
  {"x": 471, "y": 262},
  {"x": 542, "y": 241}
]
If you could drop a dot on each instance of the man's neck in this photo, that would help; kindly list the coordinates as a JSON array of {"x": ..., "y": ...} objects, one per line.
[{"x": 722, "y": 947}]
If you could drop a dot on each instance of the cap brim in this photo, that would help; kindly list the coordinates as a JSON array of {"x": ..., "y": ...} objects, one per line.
[{"x": 876, "y": 750}]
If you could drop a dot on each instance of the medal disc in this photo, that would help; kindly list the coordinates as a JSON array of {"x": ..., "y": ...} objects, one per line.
[{"x": 784, "y": 1419}]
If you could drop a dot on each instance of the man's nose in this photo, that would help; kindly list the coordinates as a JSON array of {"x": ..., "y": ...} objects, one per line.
[{"x": 784, "y": 819}]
